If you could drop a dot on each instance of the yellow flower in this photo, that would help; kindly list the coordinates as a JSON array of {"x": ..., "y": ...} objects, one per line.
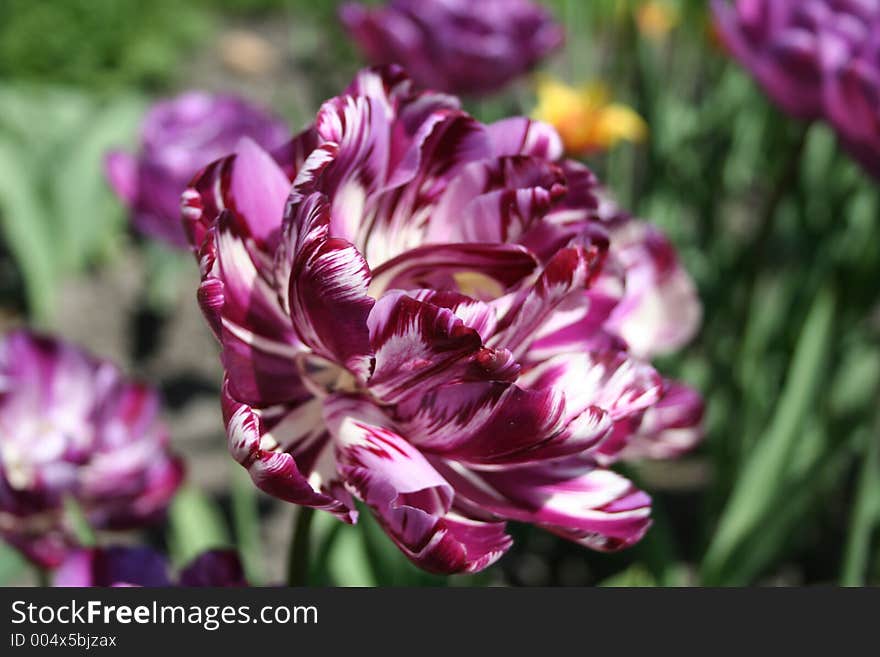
[
  {"x": 656, "y": 19},
  {"x": 585, "y": 118}
]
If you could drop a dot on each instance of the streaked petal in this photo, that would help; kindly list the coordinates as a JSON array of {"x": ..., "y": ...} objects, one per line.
[
  {"x": 671, "y": 427},
  {"x": 495, "y": 267},
  {"x": 571, "y": 497},
  {"x": 409, "y": 499},
  {"x": 522, "y": 136},
  {"x": 258, "y": 190},
  {"x": 660, "y": 310},
  {"x": 499, "y": 423},
  {"x": 621, "y": 385},
  {"x": 239, "y": 299},
  {"x": 328, "y": 286},
  {"x": 420, "y": 344},
  {"x": 569, "y": 271},
  {"x": 265, "y": 451}
]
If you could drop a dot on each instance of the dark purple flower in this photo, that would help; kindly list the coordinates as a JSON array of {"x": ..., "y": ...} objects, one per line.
[
  {"x": 142, "y": 566},
  {"x": 471, "y": 47},
  {"x": 73, "y": 427},
  {"x": 178, "y": 137},
  {"x": 417, "y": 310},
  {"x": 817, "y": 59}
]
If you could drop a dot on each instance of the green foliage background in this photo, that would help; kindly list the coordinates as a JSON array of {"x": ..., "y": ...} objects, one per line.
[{"x": 779, "y": 228}]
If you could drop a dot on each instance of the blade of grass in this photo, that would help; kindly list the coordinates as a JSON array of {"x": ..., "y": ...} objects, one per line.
[
  {"x": 762, "y": 474},
  {"x": 195, "y": 525},
  {"x": 865, "y": 515}
]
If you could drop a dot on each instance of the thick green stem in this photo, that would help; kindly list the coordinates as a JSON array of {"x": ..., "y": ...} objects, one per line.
[
  {"x": 298, "y": 557},
  {"x": 865, "y": 515}
]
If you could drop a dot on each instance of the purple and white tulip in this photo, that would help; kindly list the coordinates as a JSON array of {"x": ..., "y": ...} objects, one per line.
[
  {"x": 817, "y": 59},
  {"x": 178, "y": 137},
  {"x": 73, "y": 427},
  {"x": 457, "y": 46},
  {"x": 417, "y": 310},
  {"x": 142, "y": 566}
]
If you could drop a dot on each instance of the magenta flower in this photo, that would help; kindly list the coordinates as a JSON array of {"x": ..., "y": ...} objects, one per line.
[
  {"x": 817, "y": 59},
  {"x": 178, "y": 137},
  {"x": 457, "y": 46},
  {"x": 72, "y": 427},
  {"x": 416, "y": 310},
  {"x": 658, "y": 311},
  {"x": 142, "y": 566}
]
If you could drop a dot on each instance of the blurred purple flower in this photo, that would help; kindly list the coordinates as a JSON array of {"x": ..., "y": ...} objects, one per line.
[
  {"x": 659, "y": 311},
  {"x": 142, "y": 566},
  {"x": 72, "y": 427},
  {"x": 817, "y": 59},
  {"x": 417, "y": 310},
  {"x": 178, "y": 137},
  {"x": 471, "y": 47}
]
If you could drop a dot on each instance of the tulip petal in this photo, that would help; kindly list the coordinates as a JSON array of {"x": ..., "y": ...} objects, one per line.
[
  {"x": 113, "y": 566},
  {"x": 409, "y": 499},
  {"x": 328, "y": 286},
  {"x": 660, "y": 310},
  {"x": 521, "y": 136},
  {"x": 120, "y": 168},
  {"x": 239, "y": 299},
  {"x": 267, "y": 452},
  {"x": 612, "y": 380},
  {"x": 498, "y": 423},
  {"x": 669, "y": 428},
  {"x": 214, "y": 568},
  {"x": 569, "y": 271},
  {"x": 420, "y": 344},
  {"x": 258, "y": 190},
  {"x": 496, "y": 267},
  {"x": 571, "y": 497}
]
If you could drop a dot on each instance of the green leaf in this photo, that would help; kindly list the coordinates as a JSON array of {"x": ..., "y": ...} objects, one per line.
[
  {"x": 25, "y": 227},
  {"x": 11, "y": 563},
  {"x": 195, "y": 525},
  {"x": 246, "y": 520},
  {"x": 865, "y": 516},
  {"x": 165, "y": 269},
  {"x": 347, "y": 562},
  {"x": 79, "y": 524},
  {"x": 88, "y": 217},
  {"x": 635, "y": 575},
  {"x": 759, "y": 483}
]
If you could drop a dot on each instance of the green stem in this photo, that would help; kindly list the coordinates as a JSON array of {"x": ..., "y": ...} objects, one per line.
[
  {"x": 246, "y": 521},
  {"x": 43, "y": 579},
  {"x": 865, "y": 515},
  {"x": 298, "y": 557}
]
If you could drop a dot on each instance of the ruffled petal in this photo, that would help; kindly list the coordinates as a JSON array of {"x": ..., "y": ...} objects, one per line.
[
  {"x": 660, "y": 310},
  {"x": 411, "y": 501},
  {"x": 496, "y": 423},
  {"x": 521, "y": 136},
  {"x": 420, "y": 344},
  {"x": 468, "y": 268},
  {"x": 571, "y": 497},
  {"x": 671, "y": 427},
  {"x": 265, "y": 441},
  {"x": 569, "y": 271},
  {"x": 327, "y": 290},
  {"x": 238, "y": 297}
]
